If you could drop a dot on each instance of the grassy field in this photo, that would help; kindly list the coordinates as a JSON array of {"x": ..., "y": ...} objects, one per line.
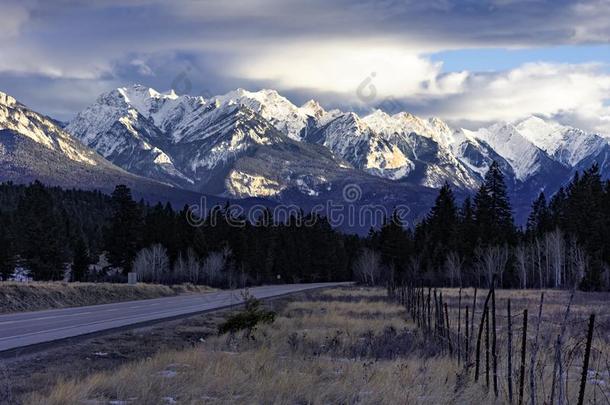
[
  {"x": 348, "y": 345},
  {"x": 32, "y": 296},
  {"x": 342, "y": 346}
]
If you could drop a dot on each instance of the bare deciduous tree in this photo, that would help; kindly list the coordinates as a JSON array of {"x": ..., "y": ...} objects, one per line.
[
  {"x": 555, "y": 249},
  {"x": 538, "y": 254},
  {"x": 522, "y": 258},
  {"x": 368, "y": 266},
  {"x": 415, "y": 265},
  {"x": 152, "y": 264},
  {"x": 492, "y": 260},
  {"x": 214, "y": 265},
  {"x": 453, "y": 265},
  {"x": 188, "y": 268},
  {"x": 579, "y": 262}
]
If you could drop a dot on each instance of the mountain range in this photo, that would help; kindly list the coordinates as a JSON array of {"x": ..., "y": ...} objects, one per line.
[{"x": 260, "y": 145}]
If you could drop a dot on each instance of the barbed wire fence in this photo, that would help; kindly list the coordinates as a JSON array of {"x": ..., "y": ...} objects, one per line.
[{"x": 520, "y": 356}]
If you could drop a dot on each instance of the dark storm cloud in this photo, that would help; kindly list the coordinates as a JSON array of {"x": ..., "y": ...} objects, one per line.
[{"x": 70, "y": 50}]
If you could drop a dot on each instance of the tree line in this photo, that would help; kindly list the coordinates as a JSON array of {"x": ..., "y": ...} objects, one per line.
[
  {"x": 53, "y": 232},
  {"x": 565, "y": 242}
]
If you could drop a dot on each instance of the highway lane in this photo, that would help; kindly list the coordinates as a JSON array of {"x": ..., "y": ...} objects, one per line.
[{"x": 20, "y": 330}]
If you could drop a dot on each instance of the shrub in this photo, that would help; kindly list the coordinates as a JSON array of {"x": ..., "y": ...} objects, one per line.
[{"x": 248, "y": 319}]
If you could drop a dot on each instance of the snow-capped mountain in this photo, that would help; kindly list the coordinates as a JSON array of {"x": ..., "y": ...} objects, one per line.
[
  {"x": 120, "y": 126},
  {"x": 398, "y": 147},
  {"x": 17, "y": 118},
  {"x": 567, "y": 145},
  {"x": 34, "y": 147},
  {"x": 260, "y": 144},
  {"x": 210, "y": 145},
  {"x": 534, "y": 146}
]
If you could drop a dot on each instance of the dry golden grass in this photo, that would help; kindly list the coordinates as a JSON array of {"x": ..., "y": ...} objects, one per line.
[
  {"x": 309, "y": 355},
  {"x": 32, "y": 296},
  {"x": 341, "y": 346}
]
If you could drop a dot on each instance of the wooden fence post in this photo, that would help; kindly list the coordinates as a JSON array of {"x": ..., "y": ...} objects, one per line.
[
  {"x": 441, "y": 321},
  {"x": 417, "y": 318},
  {"x": 467, "y": 349},
  {"x": 487, "y": 347},
  {"x": 459, "y": 327},
  {"x": 435, "y": 313},
  {"x": 510, "y": 353},
  {"x": 429, "y": 324},
  {"x": 535, "y": 353},
  {"x": 448, "y": 331},
  {"x": 479, "y": 335},
  {"x": 494, "y": 353},
  {"x": 422, "y": 319},
  {"x": 585, "y": 365},
  {"x": 474, "y": 308},
  {"x": 557, "y": 367},
  {"x": 523, "y": 352}
]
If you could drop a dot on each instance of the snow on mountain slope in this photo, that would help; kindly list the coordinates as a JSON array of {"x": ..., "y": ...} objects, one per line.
[
  {"x": 524, "y": 157},
  {"x": 16, "y": 117},
  {"x": 476, "y": 154},
  {"x": 192, "y": 142},
  {"x": 116, "y": 128},
  {"x": 579, "y": 145},
  {"x": 146, "y": 101},
  {"x": 229, "y": 134},
  {"x": 545, "y": 134},
  {"x": 203, "y": 143},
  {"x": 406, "y": 123},
  {"x": 35, "y": 147},
  {"x": 351, "y": 138},
  {"x": 565, "y": 144},
  {"x": 293, "y": 121},
  {"x": 426, "y": 143},
  {"x": 284, "y": 115},
  {"x": 313, "y": 109},
  {"x": 138, "y": 127}
]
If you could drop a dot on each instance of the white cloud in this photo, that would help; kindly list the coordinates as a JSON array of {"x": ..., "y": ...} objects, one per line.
[
  {"x": 355, "y": 68},
  {"x": 367, "y": 72},
  {"x": 342, "y": 50},
  {"x": 552, "y": 90}
]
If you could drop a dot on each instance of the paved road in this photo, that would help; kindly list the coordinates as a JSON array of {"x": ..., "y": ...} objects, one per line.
[{"x": 30, "y": 328}]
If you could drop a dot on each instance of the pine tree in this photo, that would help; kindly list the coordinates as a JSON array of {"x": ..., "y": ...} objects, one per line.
[
  {"x": 467, "y": 228},
  {"x": 123, "y": 236},
  {"x": 557, "y": 209},
  {"x": 395, "y": 246},
  {"x": 442, "y": 221},
  {"x": 493, "y": 214},
  {"x": 80, "y": 260},
  {"x": 584, "y": 218},
  {"x": 467, "y": 235},
  {"x": 42, "y": 237},
  {"x": 7, "y": 248},
  {"x": 539, "y": 221},
  {"x": 438, "y": 232}
]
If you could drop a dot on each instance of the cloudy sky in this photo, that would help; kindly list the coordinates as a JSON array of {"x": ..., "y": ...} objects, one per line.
[{"x": 469, "y": 61}]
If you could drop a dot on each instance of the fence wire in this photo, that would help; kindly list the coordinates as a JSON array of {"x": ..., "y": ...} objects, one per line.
[{"x": 566, "y": 343}]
